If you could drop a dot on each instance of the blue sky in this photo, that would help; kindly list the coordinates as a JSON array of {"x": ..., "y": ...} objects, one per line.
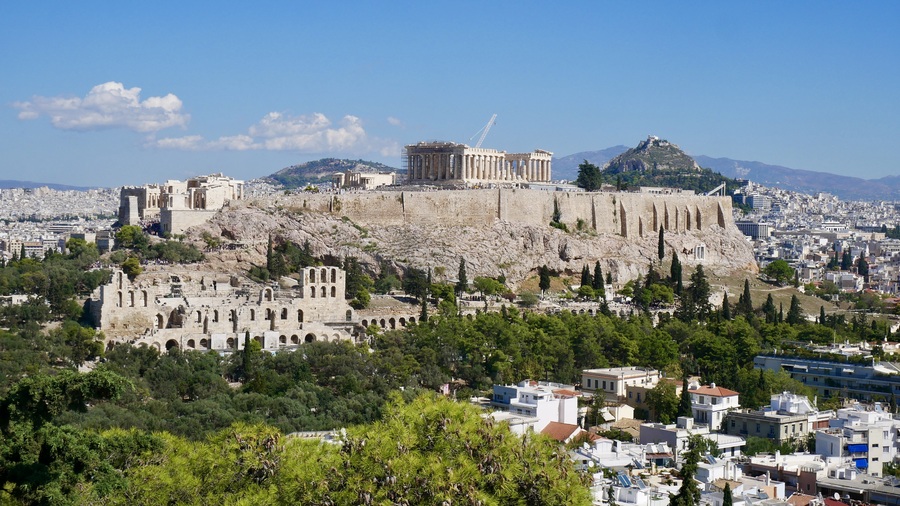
[{"x": 104, "y": 94}]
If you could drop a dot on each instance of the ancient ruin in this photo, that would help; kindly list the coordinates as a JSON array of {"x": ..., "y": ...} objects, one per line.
[
  {"x": 450, "y": 163},
  {"x": 216, "y": 312},
  {"x": 178, "y": 204}
]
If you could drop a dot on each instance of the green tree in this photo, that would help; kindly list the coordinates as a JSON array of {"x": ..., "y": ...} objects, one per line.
[
  {"x": 544, "y": 278},
  {"x": 132, "y": 267},
  {"x": 862, "y": 267},
  {"x": 675, "y": 276},
  {"x": 597, "y": 280},
  {"x": 689, "y": 494},
  {"x": 586, "y": 278},
  {"x": 745, "y": 303},
  {"x": 727, "y": 498},
  {"x": 780, "y": 271},
  {"x": 661, "y": 245},
  {"x": 684, "y": 403},
  {"x": 795, "y": 315},
  {"x": 462, "y": 283},
  {"x": 415, "y": 283},
  {"x": 846, "y": 261},
  {"x": 700, "y": 292},
  {"x": 726, "y": 307},
  {"x": 663, "y": 402},
  {"x": 769, "y": 309},
  {"x": 589, "y": 176}
]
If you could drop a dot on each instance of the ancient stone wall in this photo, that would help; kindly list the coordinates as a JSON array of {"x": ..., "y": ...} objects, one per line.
[{"x": 630, "y": 215}]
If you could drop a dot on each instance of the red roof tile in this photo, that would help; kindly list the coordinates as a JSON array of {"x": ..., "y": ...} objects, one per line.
[
  {"x": 715, "y": 392},
  {"x": 560, "y": 431}
]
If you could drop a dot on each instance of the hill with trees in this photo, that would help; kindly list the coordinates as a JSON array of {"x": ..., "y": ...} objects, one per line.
[{"x": 320, "y": 171}]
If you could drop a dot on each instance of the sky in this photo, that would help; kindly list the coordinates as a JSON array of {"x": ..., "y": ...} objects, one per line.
[{"x": 116, "y": 93}]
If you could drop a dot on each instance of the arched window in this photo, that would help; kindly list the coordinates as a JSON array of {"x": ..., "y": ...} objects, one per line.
[
  {"x": 334, "y": 275},
  {"x": 312, "y": 275},
  {"x": 300, "y": 315},
  {"x": 333, "y": 291},
  {"x": 284, "y": 313},
  {"x": 312, "y": 292},
  {"x": 324, "y": 294}
]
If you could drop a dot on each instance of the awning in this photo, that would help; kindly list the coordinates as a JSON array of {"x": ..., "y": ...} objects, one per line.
[
  {"x": 862, "y": 463},
  {"x": 858, "y": 448}
]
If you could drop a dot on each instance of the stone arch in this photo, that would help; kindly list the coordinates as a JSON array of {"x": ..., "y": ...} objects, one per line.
[
  {"x": 157, "y": 346},
  {"x": 393, "y": 323},
  {"x": 382, "y": 324},
  {"x": 349, "y": 315},
  {"x": 119, "y": 302},
  {"x": 252, "y": 315},
  {"x": 402, "y": 321},
  {"x": 267, "y": 294},
  {"x": 174, "y": 320},
  {"x": 190, "y": 344},
  {"x": 284, "y": 313},
  {"x": 312, "y": 292},
  {"x": 119, "y": 280},
  {"x": 333, "y": 291},
  {"x": 204, "y": 343},
  {"x": 312, "y": 275},
  {"x": 699, "y": 218},
  {"x": 145, "y": 298},
  {"x": 282, "y": 340},
  {"x": 160, "y": 321},
  {"x": 309, "y": 338},
  {"x": 334, "y": 275},
  {"x": 324, "y": 293},
  {"x": 412, "y": 319},
  {"x": 335, "y": 337},
  {"x": 261, "y": 340},
  {"x": 721, "y": 215},
  {"x": 300, "y": 316},
  {"x": 365, "y": 323},
  {"x": 231, "y": 343},
  {"x": 324, "y": 276},
  {"x": 171, "y": 343},
  {"x": 295, "y": 339},
  {"x": 623, "y": 219},
  {"x": 131, "y": 298},
  {"x": 687, "y": 218}
]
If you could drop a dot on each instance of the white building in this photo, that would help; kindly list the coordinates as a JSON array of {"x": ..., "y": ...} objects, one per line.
[
  {"x": 710, "y": 404},
  {"x": 539, "y": 402}
]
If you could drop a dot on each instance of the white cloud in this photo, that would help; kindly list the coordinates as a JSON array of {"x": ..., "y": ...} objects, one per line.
[
  {"x": 107, "y": 105},
  {"x": 276, "y": 131},
  {"x": 394, "y": 121}
]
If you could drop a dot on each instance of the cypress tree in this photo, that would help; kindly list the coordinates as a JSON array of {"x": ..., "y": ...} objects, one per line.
[
  {"x": 544, "y": 278},
  {"x": 675, "y": 277},
  {"x": 597, "y": 284},
  {"x": 821, "y": 315},
  {"x": 746, "y": 301},
  {"x": 769, "y": 309},
  {"x": 661, "y": 246},
  {"x": 462, "y": 283},
  {"x": 726, "y": 310},
  {"x": 794, "y": 316},
  {"x": 727, "y": 499},
  {"x": 586, "y": 279},
  {"x": 684, "y": 404}
]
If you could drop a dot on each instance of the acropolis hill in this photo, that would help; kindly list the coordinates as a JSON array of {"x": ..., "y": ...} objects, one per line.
[{"x": 496, "y": 230}]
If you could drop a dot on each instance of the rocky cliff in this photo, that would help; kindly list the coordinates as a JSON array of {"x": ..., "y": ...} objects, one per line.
[{"x": 516, "y": 242}]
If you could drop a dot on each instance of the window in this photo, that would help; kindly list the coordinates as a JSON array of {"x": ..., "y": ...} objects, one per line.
[
  {"x": 604, "y": 385},
  {"x": 885, "y": 449},
  {"x": 639, "y": 397},
  {"x": 732, "y": 423},
  {"x": 757, "y": 428},
  {"x": 629, "y": 395},
  {"x": 702, "y": 400}
]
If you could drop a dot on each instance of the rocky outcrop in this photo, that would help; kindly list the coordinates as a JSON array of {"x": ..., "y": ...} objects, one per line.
[{"x": 500, "y": 246}]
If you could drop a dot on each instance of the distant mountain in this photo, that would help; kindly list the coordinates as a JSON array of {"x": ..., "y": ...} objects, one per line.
[
  {"x": 806, "y": 181},
  {"x": 658, "y": 162},
  {"x": 10, "y": 183},
  {"x": 566, "y": 167},
  {"x": 320, "y": 171}
]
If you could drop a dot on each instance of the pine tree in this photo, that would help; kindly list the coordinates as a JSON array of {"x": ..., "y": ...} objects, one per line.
[
  {"x": 822, "y": 315},
  {"x": 462, "y": 283},
  {"x": 700, "y": 293},
  {"x": 726, "y": 309}
]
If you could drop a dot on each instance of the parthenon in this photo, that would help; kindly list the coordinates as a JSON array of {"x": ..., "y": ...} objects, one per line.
[{"x": 453, "y": 163}]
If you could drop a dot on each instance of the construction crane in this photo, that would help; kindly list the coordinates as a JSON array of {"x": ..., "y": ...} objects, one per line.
[{"x": 484, "y": 131}]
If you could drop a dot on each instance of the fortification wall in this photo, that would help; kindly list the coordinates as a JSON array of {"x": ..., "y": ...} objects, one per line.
[{"x": 626, "y": 214}]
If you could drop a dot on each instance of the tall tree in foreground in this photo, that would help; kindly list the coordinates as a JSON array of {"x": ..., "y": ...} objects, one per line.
[
  {"x": 726, "y": 307},
  {"x": 700, "y": 291},
  {"x": 684, "y": 404},
  {"x": 675, "y": 276},
  {"x": 544, "y": 278},
  {"x": 795, "y": 315},
  {"x": 689, "y": 494},
  {"x": 597, "y": 284},
  {"x": 462, "y": 283}
]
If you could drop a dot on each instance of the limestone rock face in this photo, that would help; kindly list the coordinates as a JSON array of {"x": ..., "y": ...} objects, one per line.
[{"x": 514, "y": 249}]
